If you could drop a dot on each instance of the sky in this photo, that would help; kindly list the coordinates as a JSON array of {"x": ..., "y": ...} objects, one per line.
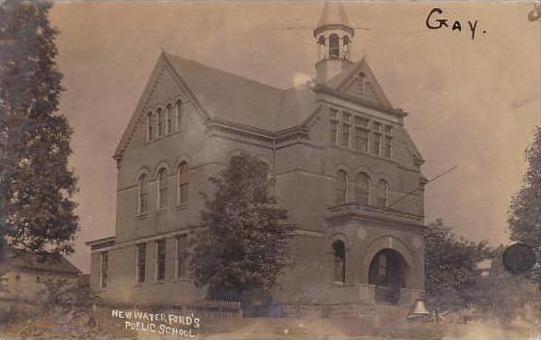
[{"x": 472, "y": 103}]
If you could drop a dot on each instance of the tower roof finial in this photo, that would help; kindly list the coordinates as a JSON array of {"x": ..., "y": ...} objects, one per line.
[{"x": 333, "y": 16}]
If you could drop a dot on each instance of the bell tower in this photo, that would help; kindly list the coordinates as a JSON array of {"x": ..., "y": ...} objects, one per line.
[{"x": 334, "y": 36}]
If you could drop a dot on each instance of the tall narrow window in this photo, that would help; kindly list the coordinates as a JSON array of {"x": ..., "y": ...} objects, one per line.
[
  {"x": 361, "y": 139},
  {"x": 104, "y": 269},
  {"x": 387, "y": 149},
  {"x": 178, "y": 114},
  {"x": 162, "y": 188},
  {"x": 362, "y": 188},
  {"x": 182, "y": 245},
  {"x": 168, "y": 119},
  {"x": 333, "y": 131},
  {"x": 141, "y": 262},
  {"x": 160, "y": 260},
  {"x": 341, "y": 187},
  {"x": 160, "y": 122},
  {"x": 376, "y": 143},
  {"x": 150, "y": 129},
  {"x": 182, "y": 183},
  {"x": 142, "y": 206},
  {"x": 346, "y": 46},
  {"x": 334, "y": 46},
  {"x": 345, "y": 134},
  {"x": 339, "y": 261},
  {"x": 382, "y": 193}
]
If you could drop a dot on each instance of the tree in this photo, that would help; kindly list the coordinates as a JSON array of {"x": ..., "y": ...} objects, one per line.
[
  {"x": 36, "y": 184},
  {"x": 451, "y": 268},
  {"x": 243, "y": 244},
  {"x": 525, "y": 210}
]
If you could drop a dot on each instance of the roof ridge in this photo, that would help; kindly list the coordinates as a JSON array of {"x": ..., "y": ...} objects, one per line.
[{"x": 167, "y": 55}]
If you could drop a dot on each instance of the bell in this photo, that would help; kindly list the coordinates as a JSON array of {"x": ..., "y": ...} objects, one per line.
[{"x": 419, "y": 308}]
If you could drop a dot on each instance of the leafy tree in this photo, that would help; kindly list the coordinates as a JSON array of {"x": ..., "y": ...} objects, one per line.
[
  {"x": 243, "y": 245},
  {"x": 36, "y": 184},
  {"x": 525, "y": 211},
  {"x": 451, "y": 268}
]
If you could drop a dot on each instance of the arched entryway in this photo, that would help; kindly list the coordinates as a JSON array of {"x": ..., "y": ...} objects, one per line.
[{"x": 388, "y": 272}]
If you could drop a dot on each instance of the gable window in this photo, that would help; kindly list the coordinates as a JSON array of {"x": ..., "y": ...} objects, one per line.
[
  {"x": 141, "y": 262},
  {"x": 142, "y": 206},
  {"x": 162, "y": 188},
  {"x": 339, "y": 251},
  {"x": 150, "y": 129},
  {"x": 182, "y": 183},
  {"x": 168, "y": 119},
  {"x": 334, "y": 46},
  {"x": 182, "y": 246},
  {"x": 376, "y": 143},
  {"x": 388, "y": 143},
  {"x": 178, "y": 114},
  {"x": 104, "y": 269},
  {"x": 361, "y": 139},
  {"x": 341, "y": 187},
  {"x": 160, "y": 260},
  {"x": 362, "y": 188},
  {"x": 160, "y": 122},
  {"x": 382, "y": 193}
]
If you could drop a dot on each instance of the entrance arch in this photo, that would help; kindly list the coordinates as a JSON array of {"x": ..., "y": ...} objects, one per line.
[{"x": 388, "y": 272}]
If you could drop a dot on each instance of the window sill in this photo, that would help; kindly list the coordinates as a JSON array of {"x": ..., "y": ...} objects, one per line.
[
  {"x": 182, "y": 206},
  {"x": 142, "y": 216},
  {"x": 161, "y": 211},
  {"x": 370, "y": 154}
]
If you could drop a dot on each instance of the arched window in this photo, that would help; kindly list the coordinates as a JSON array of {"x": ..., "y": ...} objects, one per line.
[
  {"x": 168, "y": 119},
  {"x": 178, "y": 114},
  {"x": 162, "y": 188},
  {"x": 160, "y": 122},
  {"x": 150, "y": 129},
  {"x": 345, "y": 43},
  {"x": 182, "y": 183},
  {"x": 362, "y": 188},
  {"x": 321, "y": 41},
  {"x": 341, "y": 187},
  {"x": 339, "y": 261},
  {"x": 142, "y": 195},
  {"x": 382, "y": 193},
  {"x": 334, "y": 46}
]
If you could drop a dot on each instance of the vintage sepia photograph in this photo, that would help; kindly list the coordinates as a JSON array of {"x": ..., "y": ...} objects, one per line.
[{"x": 270, "y": 169}]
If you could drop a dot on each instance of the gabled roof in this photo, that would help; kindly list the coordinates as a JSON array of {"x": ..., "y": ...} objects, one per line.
[
  {"x": 226, "y": 97},
  {"x": 36, "y": 262}
]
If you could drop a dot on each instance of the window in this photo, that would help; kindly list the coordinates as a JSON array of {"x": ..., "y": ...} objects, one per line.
[
  {"x": 321, "y": 41},
  {"x": 162, "y": 188},
  {"x": 160, "y": 260},
  {"x": 182, "y": 183},
  {"x": 345, "y": 135},
  {"x": 168, "y": 119},
  {"x": 361, "y": 139},
  {"x": 182, "y": 245},
  {"x": 17, "y": 277},
  {"x": 388, "y": 143},
  {"x": 150, "y": 130},
  {"x": 387, "y": 148},
  {"x": 363, "y": 122},
  {"x": 339, "y": 261},
  {"x": 334, "y": 46},
  {"x": 382, "y": 193},
  {"x": 333, "y": 132},
  {"x": 142, "y": 206},
  {"x": 376, "y": 143},
  {"x": 341, "y": 187},
  {"x": 160, "y": 123},
  {"x": 362, "y": 188},
  {"x": 346, "y": 46},
  {"x": 178, "y": 114},
  {"x": 104, "y": 269},
  {"x": 141, "y": 262}
]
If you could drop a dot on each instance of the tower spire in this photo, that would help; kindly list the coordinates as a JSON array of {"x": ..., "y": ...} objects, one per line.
[{"x": 333, "y": 35}]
